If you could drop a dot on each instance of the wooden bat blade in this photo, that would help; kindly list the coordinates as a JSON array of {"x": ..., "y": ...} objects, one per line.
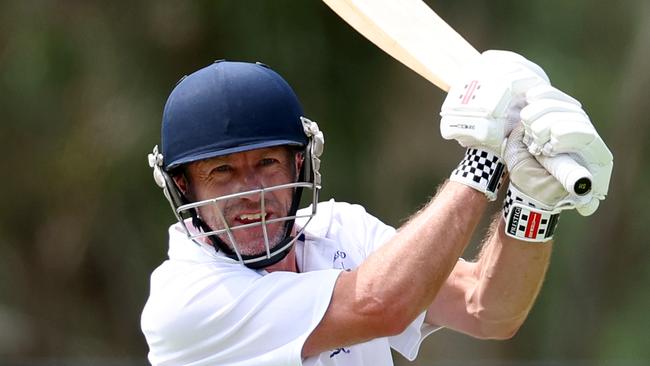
[{"x": 412, "y": 33}]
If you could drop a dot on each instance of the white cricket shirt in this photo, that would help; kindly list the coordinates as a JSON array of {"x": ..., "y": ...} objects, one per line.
[{"x": 207, "y": 309}]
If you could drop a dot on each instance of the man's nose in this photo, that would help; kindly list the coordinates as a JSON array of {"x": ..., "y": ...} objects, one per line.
[{"x": 250, "y": 180}]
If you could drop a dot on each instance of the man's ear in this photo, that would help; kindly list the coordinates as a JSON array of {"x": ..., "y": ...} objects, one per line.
[
  {"x": 299, "y": 160},
  {"x": 181, "y": 182}
]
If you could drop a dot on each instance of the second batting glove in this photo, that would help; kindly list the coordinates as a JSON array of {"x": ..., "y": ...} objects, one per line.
[{"x": 554, "y": 124}]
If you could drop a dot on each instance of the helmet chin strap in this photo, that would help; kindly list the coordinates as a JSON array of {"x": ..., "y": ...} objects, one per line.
[{"x": 219, "y": 244}]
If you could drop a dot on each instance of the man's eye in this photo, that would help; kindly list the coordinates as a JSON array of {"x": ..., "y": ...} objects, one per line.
[
  {"x": 268, "y": 161},
  {"x": 223, "y": 168}
]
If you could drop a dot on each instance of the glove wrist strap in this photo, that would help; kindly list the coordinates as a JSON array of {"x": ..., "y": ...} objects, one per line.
[
  {"x": 481, "y": 170},
  {"x": 527, "y": 219}
]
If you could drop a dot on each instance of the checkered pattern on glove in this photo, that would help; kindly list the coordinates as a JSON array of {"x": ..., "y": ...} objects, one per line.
[
  {"x": 481, "y": 170},
  {"x": 527, "y": 219}
]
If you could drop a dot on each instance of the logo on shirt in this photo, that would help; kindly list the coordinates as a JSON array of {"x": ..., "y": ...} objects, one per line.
[
  {"x": 339, "y": 350},
  {"x": 338, "y": 260}
]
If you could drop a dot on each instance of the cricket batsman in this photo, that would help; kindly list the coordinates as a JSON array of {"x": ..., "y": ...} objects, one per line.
[{"x": 252, "y": 279}]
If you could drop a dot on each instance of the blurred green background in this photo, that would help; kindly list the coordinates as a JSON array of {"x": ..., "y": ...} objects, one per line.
[{"x": 82, "y": 86}]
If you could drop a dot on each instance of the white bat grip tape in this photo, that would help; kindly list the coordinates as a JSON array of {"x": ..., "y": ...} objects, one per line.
[{"x": 575, "y": 178}]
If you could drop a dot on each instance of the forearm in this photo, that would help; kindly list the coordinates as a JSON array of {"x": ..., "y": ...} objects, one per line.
[
  {"x": 509, "y": 275},
  {"x": 407, "y": 272},
  {"x": 398, "y": 281}
]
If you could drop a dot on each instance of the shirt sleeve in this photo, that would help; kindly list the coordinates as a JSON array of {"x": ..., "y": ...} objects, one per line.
[
  {"x": 235, "y": 317},
  {"x": 353, "y": 224},
  {"x": 377, "y": 233},
  {"x": 408, "y": 342}
]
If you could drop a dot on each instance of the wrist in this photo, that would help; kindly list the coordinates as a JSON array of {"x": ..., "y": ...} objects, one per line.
[
  {"x": 528, "y": 219},
  {"x": 482, "y": 170}
]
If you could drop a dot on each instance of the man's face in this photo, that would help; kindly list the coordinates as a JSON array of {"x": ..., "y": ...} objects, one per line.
[{"x": 241, "y": 172}]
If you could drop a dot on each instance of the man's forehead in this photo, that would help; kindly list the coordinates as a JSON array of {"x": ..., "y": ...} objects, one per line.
[{"x": 242, "y": 154}]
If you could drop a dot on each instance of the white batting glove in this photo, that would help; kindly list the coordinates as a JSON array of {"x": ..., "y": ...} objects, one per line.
[
  {"x": 535, "y": 198},
  {"x": 483, "y": 107},
  {"x": 480, "y": 111},
  {"x": 555, "y": 123}
]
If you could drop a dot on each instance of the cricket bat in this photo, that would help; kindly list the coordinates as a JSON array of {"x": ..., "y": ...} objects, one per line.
[{"x": 416, "y": 36}]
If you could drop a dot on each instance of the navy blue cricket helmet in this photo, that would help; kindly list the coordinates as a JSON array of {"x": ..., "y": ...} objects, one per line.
[{"x": 231, "y": 107}]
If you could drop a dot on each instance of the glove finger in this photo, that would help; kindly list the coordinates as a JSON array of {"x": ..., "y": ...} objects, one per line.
[
  {"x": 577, "y": 138},
  {"x": 539, "y": 108},
  {"x": 539, "y": 131},
  {"x": 500, "y": 57},
  {"x": 569, "y": 137},
  {"x": 522, "y": 73},
  {"x": 545, "y": 91},
  {"x": 597, "y": 152},
  {"x": 600, "y": 162},
  {"x": 602, "y": 174},
  {"x": 546, "y": 108}
]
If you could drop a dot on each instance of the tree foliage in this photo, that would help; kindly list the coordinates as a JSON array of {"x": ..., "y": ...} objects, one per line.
[{"x": 82, "y": 86}]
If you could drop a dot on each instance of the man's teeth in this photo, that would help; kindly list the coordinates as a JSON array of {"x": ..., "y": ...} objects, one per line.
[{"x": 249, "y": 217}]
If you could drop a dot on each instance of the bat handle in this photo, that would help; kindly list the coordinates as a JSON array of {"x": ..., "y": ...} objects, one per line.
[{"x": 575, "y": 178}]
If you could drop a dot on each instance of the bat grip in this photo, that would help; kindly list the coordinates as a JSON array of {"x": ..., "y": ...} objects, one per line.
[{"x": 575, "y": 178}]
